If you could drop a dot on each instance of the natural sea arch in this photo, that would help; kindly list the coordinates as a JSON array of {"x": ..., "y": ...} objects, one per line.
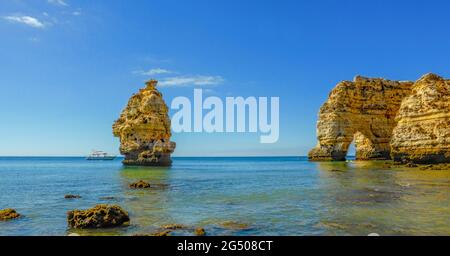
[
  {"x": 371, "y": 136},
  {"x": 365, "y": 148},
  {"x": 364, "y": 111}
]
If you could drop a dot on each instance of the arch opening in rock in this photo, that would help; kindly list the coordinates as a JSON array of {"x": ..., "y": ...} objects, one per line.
[
  {"x": 363, "y": 111},
  {"x": 407, "y": 121},
  {"x": 366, "y": 148}
]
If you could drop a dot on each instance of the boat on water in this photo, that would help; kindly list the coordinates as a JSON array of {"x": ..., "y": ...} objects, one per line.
[{"x": 100, "y": 155}]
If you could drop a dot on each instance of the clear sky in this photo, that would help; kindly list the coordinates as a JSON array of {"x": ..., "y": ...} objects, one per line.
[{"x": 68, "y": 67}]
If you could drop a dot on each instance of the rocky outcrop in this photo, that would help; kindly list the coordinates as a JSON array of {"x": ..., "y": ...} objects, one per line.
[
  {"x": 145, "y": 185},
  {"x": 199, "y": 232},
  {"x": 8, "y": 214},
  {"x": 362, "y": 111},
  {"x": 423, "y": 131},
  {"x": 144, "y": 129},
  {"x": 139, "y": 185},
  {"x": 101, "y": 216}
]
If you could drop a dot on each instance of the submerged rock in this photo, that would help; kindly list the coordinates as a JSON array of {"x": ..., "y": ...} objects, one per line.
[
  {"x": 145, "y": 185},
  {"x": 144, "y": 129},
  {"x": 108, "y": 198},
  {"x": 169, "y": 229},
  {"x": 72, "y": 196},
  {"x": 235, "y": 225},
  {"x": 362, "y": 111},
  {"x": 437, "y": 167},
  {"x": 336, "y": 170},
  {"x": 200, "y": 232},
  {"x": 333, "y": 225},
  {"x": 139, "y": 185},
  {"x": 101, "y": 216},
  {"x": 173, "y": 226},
  {"x": 162, "y": 233},
  {"x": 8, "y": 214},
  {"x": 423, "y": 131}
]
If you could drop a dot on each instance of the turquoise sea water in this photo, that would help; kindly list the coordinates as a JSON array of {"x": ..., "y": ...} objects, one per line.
[{"x": 258, "y": 196}]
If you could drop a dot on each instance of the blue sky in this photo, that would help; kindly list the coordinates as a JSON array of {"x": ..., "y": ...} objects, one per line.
[{"x": 68, "y": 67}]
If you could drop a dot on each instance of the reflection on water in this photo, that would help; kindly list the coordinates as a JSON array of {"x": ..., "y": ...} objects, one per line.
[
  {"x": 231, "y": 196},
  {"x": 387, "y": 199},
  {"x": 148, "y": 207}
]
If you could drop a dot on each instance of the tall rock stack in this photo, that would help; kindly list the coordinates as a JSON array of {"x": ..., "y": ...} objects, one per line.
[
  {"x": 144, "y": 129},
  {"x": 362, "y": 111},
  {"x": 423, "y": 131}
]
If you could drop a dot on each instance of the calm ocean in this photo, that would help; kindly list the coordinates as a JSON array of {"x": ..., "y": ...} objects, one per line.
[{"x": 230, "y": 196}]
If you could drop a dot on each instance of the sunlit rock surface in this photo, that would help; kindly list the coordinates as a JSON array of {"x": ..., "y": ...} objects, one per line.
[
  {"x": 423, "y": 131},
  {"x": 101, "y": 216},
  {"x": 144, "y": 129},
  {"x": 8, "y": 214},
  {"x": 362, "y": 111}
]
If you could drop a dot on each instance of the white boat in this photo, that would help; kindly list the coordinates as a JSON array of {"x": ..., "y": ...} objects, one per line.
[{"x": 100, "y": 155}]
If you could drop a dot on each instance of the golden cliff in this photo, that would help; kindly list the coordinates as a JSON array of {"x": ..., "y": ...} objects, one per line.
[
  {"x": 144, "y": 129},
  {"x": 423, "y": 131},
  {"x": 363, "y": 111},
  {"x": 403, "y": 120}
]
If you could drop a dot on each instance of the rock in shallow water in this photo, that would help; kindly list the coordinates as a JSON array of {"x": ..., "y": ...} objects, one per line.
[
  {"x": 235, "y": 225},
  {"x": 200, "y": 232},
  {"x": 108, "y": 198},
  {"x": 101, "y": 216},
  {"x": 437, "y": 167},
  {"x": 174, "y": 226},
  {"x": 144, "y": 129},
  {"x": 423, "y": 131},
  {"x": 161, "y": 233},
  {"x": 139, "y": 185},
  {"x": 8, "y": 214},
  {"x": 72, "y": 197}
]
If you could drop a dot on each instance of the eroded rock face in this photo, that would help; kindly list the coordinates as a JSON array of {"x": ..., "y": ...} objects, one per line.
[
  {"x": 144, "y": 129},
  {"x": 101, "y": 216},
  {"x": 363, "y": 111},
  {"x": 423, "y": 131}
]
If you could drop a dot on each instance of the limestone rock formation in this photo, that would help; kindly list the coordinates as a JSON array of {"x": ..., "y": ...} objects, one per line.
[
  {"x": 423, "y": 131},
  {"x": 101, "y": 216},
  {"x": 144, "y": 129},
  {"x": 362, "y": 111}
]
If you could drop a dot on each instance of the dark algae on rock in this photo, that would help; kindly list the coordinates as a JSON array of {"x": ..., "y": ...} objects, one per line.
[
  {"x": 72, "y": 197},
  {"x": 101, "y": 216}
]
